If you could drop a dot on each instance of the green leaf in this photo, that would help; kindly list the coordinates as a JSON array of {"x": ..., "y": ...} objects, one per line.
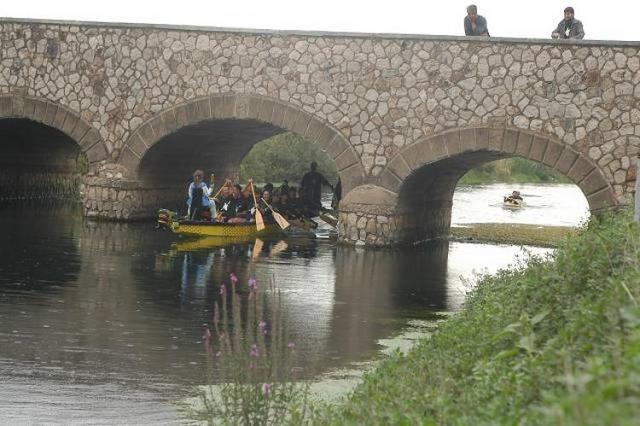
[{"x": 539, "y": 317}]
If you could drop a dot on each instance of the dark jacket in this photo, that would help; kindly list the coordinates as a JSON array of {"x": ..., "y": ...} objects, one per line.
[
  {"x": 574, "y": 27},
  {"x": 481, "y": 26}
]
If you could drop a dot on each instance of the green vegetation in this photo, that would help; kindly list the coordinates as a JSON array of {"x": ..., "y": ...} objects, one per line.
[
  {"x": 513, "y": 233},
  {"x": 285, "y": 156},
  {"x": 552, "y": 341},
  {"x": 512, "y": 170}
]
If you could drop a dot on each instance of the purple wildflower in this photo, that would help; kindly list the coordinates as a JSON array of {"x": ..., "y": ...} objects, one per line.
[
  {"x": 266, "y": 389},
  {"x": 253, "y": 284},
  {"x": 291, "y": 345},
  {"x": 233, "y": 278},
  {"x": 263, "y": 327},
  {"x": 254, "y": 350},
  {"x": 222, "y": 290}
]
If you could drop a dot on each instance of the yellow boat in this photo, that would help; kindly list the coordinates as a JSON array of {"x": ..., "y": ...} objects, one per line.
[
  {"x": 169, "y": 219},
  {"x": 205, "y": 243}
]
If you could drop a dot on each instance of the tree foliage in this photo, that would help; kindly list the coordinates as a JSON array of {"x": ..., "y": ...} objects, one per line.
[{"x": 285, "y": 156}]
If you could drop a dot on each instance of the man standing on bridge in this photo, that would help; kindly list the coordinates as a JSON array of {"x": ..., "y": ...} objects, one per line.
[
  {"x": 569, "y": 27},
  {"x": 474, "y": 24}
]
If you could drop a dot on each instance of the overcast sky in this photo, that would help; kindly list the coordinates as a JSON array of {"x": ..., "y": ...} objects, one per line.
[{"x": 602, "y": 19}]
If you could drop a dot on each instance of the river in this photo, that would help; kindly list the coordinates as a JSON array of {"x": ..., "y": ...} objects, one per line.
[{"x": 102, "y": 322}]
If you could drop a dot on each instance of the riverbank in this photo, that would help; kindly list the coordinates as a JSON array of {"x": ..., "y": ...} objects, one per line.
[
  {"x": 552, "y": 341},
  {"x": 512, "y": 233}
]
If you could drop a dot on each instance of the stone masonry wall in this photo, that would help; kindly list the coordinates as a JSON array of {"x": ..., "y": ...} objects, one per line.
[{"x": 382, "y": 93}]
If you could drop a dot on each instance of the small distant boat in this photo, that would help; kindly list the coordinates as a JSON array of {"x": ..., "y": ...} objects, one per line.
[
  {"x": 511, "y": 203},
  {"x": 170, "y": 220}
]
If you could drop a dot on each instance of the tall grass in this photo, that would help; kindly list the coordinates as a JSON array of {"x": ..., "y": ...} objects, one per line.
[
  {"x": 252, "y": 373},
  {"x": 552, "y": 341}
]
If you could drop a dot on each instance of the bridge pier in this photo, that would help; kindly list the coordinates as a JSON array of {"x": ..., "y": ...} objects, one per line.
[{"x": 111, "y": 195}]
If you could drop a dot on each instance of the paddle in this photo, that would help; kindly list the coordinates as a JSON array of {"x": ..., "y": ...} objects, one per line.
[
  {"x": 282, "y": 222},
  {"x": 257, "y": 248},
  {"x": 259, "y": 221}
]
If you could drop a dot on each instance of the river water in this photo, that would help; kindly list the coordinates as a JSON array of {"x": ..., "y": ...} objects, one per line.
[{"x": 102, "y": 322}]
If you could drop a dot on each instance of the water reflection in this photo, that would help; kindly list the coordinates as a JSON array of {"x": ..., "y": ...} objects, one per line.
[{"x": 120, "y": 307}]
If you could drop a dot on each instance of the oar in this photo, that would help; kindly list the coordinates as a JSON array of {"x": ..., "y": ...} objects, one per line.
[
  {"x": 259, "y": 221},
  {"x": 282, "y": 222}
]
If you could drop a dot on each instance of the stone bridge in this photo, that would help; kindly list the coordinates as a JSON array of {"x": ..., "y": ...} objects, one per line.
[{"x": 402, "y": 116}]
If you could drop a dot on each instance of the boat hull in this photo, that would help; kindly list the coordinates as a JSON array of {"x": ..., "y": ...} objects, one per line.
[{"x": 229, "y": 230}]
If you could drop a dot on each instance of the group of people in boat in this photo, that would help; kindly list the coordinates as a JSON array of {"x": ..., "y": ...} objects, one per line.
[{"x": 234, "y": 203}]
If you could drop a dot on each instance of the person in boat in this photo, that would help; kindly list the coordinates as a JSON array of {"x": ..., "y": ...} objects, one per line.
[
  {"x": 263, "y": 205},
  {"x": 234, "y": 206},
  {"x": 311, "y": 189},
  {"x": 284, "y": 187},
  {"x": 515, "y": 197},
  {"x": 337, "y": 195},
  {"x": 198, "y": 203}
]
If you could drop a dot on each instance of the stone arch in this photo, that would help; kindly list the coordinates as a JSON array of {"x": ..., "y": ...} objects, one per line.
[
  {"x": 245, "y": 107},
  {"x": 479, "y": 145},
  {"x": 59, "y": 117},
  {"x": 412, "y": 198}
]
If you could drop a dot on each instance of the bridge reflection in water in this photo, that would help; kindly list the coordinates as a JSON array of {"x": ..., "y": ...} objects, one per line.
[{"x": 104, "y": 304}]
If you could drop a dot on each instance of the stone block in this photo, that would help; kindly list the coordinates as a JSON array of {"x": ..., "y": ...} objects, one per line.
[
  {"x": 266, "y": 111},
  {"x": 80, "y": 131},
  {"x": 242, "y": 106},
  {"x": 58, "y": 119},
  {"x": 510, "y": 141},
  {"x": 290, "y": 117},
  {"x": 182, "y": 119},
  {"x": 169, "y": 119},
  {"x": 580, "y": 169},
  {"x": 216, "y": 107},
  {"x": 40, "y": 111},
  {"x": 602, "y": 199},
  {"x": 301, "y": 124},
  {"x": 351, "y": 178},
  {"x": 325, "y": 138},
  {"x": 254, "y": 107},
  {"x": 468, "y": 140},
  {"x": 96, "y": 153},
  {"x": 418, "y": 154},
  {"x": 496, "y": 139},
  {"x": 147, "y": 134},
  {"x": 70, "y": 123},
  {"x": 338, "y": 146},
  {"x": 50, "y": 114},
  {"x": 279, "y": 111},
  {"x": 137, "y": 145},
  {"x": 452, "y": 142},
  {"x": 29, "y": 108},
  {"x": 89, "y": 139},
  {"x": 538, "y": 147},
  {"x": 566, "y": 160},
  {"x": 346, "y": 159},
  {"x": 438, "y": 149},
  {"x": 594, "y": 182},
  {"x": 205, "y": 111},
  {"x": 399, "y": 167},
  {"x": 6, "y": 106},
  {"x": 389, "y": 181},
  {"x": 313, "y": 130},
  {"x": 524, "y": 144},
  {"x": 193, "y": 115},
  {"x": 159, "y": 129},
  {"x": 482, "y": 138},
  {"x": 228, "y": 107},
  {"x": 552, "y": 154}
]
